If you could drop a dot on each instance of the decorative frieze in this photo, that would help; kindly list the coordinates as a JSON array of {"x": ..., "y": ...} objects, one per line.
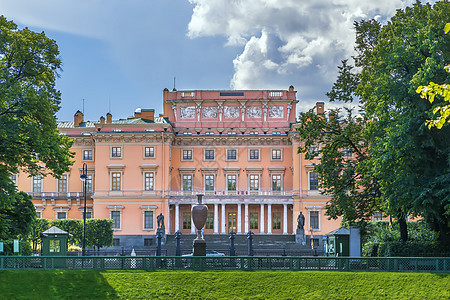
[
  {"x": 231, "y": 112},
  {"x": 254, "y": 112},
  {"x": 209, "y": 112},
  {"x": 276, "y": 112},
  {"x": 187, "y": 112}
]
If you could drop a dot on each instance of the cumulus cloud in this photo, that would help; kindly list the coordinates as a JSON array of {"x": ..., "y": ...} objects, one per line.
[{"x": 285, "y": 42}]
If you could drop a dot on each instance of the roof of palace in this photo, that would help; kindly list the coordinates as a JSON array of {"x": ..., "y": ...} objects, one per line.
[{"x": 89, "y": 124}]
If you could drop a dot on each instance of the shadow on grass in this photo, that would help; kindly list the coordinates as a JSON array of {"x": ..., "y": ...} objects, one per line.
[{"x": 54, "y": 284}]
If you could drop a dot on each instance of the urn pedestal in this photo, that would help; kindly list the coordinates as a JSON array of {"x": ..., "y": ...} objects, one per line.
[{"x": 199, "y": 214}]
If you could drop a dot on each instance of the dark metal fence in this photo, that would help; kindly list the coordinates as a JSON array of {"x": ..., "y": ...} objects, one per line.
[{"x": 149, "y": 263}]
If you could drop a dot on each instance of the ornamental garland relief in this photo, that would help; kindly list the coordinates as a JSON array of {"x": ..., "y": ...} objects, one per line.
[
  {"x": 254, "y": 112},
  {"x": 276, "y": 111},
  {"x": 231, "y": 112},
  {"x": 187, "y": 112},
  {"x": 209, "y": 112}
]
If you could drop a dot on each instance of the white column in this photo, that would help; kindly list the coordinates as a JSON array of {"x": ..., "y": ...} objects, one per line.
[
  {"x": 223, "y": 230},
  {"x": 261, "y": 221},
  {"x": 177, "y": 217},
  {"x": 269, "y": 218},
  {"x": 294, "y": 221},
  {"x": 285, "y": 219},
  {"x": 246, "y": 217},
  {"x": 192, "y": 221},
  {"x": 169, "y": 223},
  {"x": 239, "y": 216},
  {"x": 216, "y": 218}
]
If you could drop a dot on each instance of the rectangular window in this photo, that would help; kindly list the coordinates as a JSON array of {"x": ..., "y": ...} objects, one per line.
[
  {"x": 209, "y": 154},
  {"x": 187, "y": 154},
  {"x": 209, "y": 182},
  {"x": 314, "y": 219},
  {"x": 62, "y": 184},
  {"x": 88, "y": 184},
  {"x": 254, "y": 220},
  {"x": 61, "y": 215},
  {"x": 210, "y": 221},
  {"x": 231, "y": 154},
  {"x": 148, "y": 220},
  {"x": 149, "y": 152},
  {"x": 116, "y": 242},
  {"x": 116, "y": 152},
  {"x": 115, "y": 216},
  {"x": 39, "y": 214},
  {"x": 187, "y": 182},
  {"x": 378, "y": 216},
  {"x": 254, "y": 154},
  {"x": 254, "y": 182},
  {"x": 37, "y": 184},
  {"x": 14, "y": 179},
  {"x": 186, "y": 220},
  {"x": 87, "y": 154},
  {"x": 313, "y": 181},
  {"x": 231, "y": 182},
  {"x": 148, "y": 242},
  {"x": 149, "y": 181},
  {"x": 276, "y": 182},
  {"x": 276, "y": 154},
  {"x": 347, "y": 153},
  {"x": 55, "y": 246},
  {"x": 88, "y": 215},
  {"x": 116, "y": 181},
  {"x": 276, "y": 220}
]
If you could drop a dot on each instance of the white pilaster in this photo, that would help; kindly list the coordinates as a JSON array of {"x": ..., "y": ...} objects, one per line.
[
  {"x": 216, "y": 218},
  {"x": 177, "y": 217},
  {"x": 192, "y": 221},
  {"x": 169, "y": 223},
  {"x": 269, "y": 218},
  {"x": 223, "y": 230},
  {"x": 285, "y": 219},
  {"x": 239, "y": 220},
  {"x": 261, "y": 221},
  {"x": 246, "y": 217}
]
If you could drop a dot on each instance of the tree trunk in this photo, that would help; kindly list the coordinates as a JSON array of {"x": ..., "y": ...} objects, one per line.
[{"x": 403, "y": 228}]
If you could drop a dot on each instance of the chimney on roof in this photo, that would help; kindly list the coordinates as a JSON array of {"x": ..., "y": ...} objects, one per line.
[
  {"x": 148, "y": 114},
  {"x": 320, "y": 107},
  {"x": 102, "y": 120},
  {"x": 291, "y": 88},
  {"x": 108, "y": 118},
  {"x": 77, "y": 118}
]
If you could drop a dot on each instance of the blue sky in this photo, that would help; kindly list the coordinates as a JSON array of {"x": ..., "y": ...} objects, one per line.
[{"x": 122, "y": 54}]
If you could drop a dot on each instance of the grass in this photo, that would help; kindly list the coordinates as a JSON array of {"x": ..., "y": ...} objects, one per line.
[{"x": 58, "y": 284}]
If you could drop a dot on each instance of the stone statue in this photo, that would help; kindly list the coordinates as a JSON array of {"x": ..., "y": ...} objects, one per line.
[
  {"x": 160, "y": 221},
  {"x": 300, "y": 221}
]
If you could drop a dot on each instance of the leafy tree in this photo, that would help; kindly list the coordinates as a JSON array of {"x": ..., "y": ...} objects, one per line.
[
  {"x": 99, "y": 233},
  {"x": 72, "y": 226},
  {"x": 38, "y": 226},
  {"x": 28, "y": 102}
]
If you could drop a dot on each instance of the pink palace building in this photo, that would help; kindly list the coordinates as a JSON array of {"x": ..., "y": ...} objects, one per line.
[{"x": 238, "y": 148}]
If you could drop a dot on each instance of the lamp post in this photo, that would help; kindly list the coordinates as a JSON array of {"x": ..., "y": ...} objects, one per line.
[{"x": 83, "y": 178}]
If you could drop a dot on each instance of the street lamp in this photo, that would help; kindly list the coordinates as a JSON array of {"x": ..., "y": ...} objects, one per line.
[{"x": 83, "y": 178}]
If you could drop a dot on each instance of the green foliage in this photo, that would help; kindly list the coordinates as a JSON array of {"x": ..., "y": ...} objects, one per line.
[
  {"x": 99, "y": 233},
  {"x": 58, "y": 284},
  {"x": 38, "y": 226},
  {"x": 24, "y": 248},
  {"x": 28, "y": 134},
  {"x": 72, "y": 226}
]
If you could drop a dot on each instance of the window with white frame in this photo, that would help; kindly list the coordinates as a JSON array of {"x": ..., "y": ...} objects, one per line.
[
  {"x": 231, "y": 182},
  {"x": 148, "y": 219},
  {"x": 149, "y": 181},
  {"x": 87, "y": 154},
  {"x": 89, "y": 183},
  {"x": 187, "y": 154},
  {"x": 276, "y": 220},
  {"x": 314, "y": 218},
  {"x": 116, "y": 216},
  {"x": 61, "y": 215},
  {"x": 39, "y": 214},
  {"x": 253, "y": 154},
  {"x": 62, "y": 184},
  {"x": 347, "y": 152},
  {"x": 254, "y": 182},
  {"x": 116, "y": 152},
  {"x": 149, "y": 152},
  {"x": 231, "y": 154},
  {"x": 209, "y": 182},
  {"x": 276, "y": 154},
  {"x": 276, "y": 182},
  {"x": 14, "y": 179},
  {"x": 378, "y": 216},
  {"x": 313, "y": 181},
  {"x": 116, "y": 181},
  {"x": 88, "y": 215},
  {"x": 209, "y": 154},
  {"x": 37, "y": 184},
  {"x": 187, "y": 182}
]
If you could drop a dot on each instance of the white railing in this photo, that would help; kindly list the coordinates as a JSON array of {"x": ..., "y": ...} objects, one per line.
[{"x": 233, "y": 193}]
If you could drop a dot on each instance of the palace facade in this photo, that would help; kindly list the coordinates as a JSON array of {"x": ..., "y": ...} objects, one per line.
[{"x": 237, "y": 148}]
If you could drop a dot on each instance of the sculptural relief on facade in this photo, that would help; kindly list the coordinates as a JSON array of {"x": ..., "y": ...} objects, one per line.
[
  {"x": 276, "y": 111},
  {"x": 187, "y": 112},
  {"x": 231, "y": 112},
  {"x": 209, "y": 112},
  {"x": 254, "y": 112}
]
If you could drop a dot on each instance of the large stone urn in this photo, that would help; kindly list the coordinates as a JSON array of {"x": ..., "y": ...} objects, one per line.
[{"x": 199, "y": 214}]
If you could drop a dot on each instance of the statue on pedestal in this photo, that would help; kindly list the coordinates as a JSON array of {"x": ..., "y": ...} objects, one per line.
[
  {"x": 161, "y": 228},
  {"x": 300, "y": 233}
]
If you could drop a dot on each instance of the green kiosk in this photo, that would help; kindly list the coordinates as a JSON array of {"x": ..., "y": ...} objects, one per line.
[
  {"x": 54, "y": 242},
  {"x": 338, "y": 242}
]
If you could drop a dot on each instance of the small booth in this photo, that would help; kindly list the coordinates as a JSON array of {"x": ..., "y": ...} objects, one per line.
[
  {"x": 54, "y": 242},
  {"x": 338, "y": 242}
]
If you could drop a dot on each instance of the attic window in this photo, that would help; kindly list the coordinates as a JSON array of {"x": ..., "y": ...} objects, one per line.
[
  {"x": 276, "y": 133},
  {"x": 149, "y": 130},
  {"x": 187, "y": 94},
  {"x": 86, "y": 133},
  {"x": 117, "y": 130},
  {"x": 276, "y": 94}
]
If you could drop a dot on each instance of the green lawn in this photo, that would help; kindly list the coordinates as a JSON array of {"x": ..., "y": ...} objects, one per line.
[{"x": 56, "y": 284}]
